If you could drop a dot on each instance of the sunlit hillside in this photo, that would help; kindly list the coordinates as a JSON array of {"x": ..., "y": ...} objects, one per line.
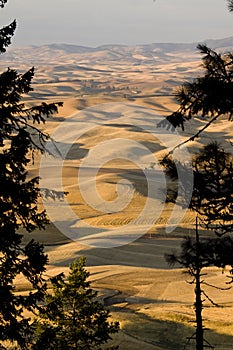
[{"x": 111, "y": 174}]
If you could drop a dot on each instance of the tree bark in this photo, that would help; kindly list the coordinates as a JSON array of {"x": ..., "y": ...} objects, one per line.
[{"x": 198, "y": 302}]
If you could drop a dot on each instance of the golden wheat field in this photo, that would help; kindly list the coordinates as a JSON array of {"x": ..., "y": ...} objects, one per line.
[{"x": 107, "y": 130}]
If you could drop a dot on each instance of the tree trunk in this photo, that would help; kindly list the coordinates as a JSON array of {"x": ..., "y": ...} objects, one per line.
[{"x": 198, "y": 302}]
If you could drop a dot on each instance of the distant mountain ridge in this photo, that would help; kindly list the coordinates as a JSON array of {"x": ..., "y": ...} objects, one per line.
[
  {"x": 46, "y": 54},
  {"x": 169, "y": 46}
]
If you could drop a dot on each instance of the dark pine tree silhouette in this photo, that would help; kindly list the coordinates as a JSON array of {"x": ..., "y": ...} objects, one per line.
[
  {"x": 212, "y": 201},
  {"x": 19, "y": 195},
  {"x": 209, "y": 96}
]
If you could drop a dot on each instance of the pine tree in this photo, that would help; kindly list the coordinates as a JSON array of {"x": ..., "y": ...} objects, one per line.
[
  {"x": 73, "y": 317},
  {"x": 212, "y": 201},
  {"x": 19, "y": 196},
  {"x": 209, "y": 96}
]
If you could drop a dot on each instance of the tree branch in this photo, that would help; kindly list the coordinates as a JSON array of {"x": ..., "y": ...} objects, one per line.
[{"x": 193, "y": 137}]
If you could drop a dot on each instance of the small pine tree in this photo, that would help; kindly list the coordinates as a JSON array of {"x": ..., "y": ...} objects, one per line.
[{"x": 73, "y": 318}]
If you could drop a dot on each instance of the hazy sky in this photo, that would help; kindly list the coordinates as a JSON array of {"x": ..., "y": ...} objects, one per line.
[{"x": 97, "y": 22}]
